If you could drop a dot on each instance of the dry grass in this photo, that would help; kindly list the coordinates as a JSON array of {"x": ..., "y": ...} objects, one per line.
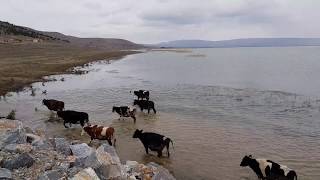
[{"x": 22, "y": 64}]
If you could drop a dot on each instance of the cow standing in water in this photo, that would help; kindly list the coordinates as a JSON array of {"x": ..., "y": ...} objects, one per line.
[
  {"x": 125, "y": 111},
  {"x": 53, "y": 105},
  {"x": 266, "y": 169},
  {"x": 153, "y": 141},
  {"x": 142, "y": 94},
  {"x": 144, "y": 104},
  {"x": 100, "y": 133},
  {"x": 73, "y": 117}
]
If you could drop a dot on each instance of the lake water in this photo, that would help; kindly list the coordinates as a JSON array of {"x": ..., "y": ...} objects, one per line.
[{"x": 216, "y": 104}]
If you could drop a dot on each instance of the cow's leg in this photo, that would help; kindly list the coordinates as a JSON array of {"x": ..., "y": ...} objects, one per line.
[
  {"x": 64, "y": 123},
  {"x": 70, "y": 124},
  {"x": 154, "y": 110},
  {"x": 82, "y": 123},
  {"x": 134, "y": 118},
  {"x": 159, "y": 153},
  {"x": 146, "y": 148},
  {"x": 109, "y": 141},
  {"x": 148, "y": 110}
]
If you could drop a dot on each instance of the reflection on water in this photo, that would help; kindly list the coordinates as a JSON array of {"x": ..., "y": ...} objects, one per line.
[{"x": 212, "y": 126}]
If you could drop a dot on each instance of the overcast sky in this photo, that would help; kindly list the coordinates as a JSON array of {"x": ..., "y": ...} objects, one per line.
[{"x": 151, "y": 21}]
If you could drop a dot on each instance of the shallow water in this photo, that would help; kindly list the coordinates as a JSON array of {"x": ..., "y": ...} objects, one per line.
[{"x": 216, "y": 104}]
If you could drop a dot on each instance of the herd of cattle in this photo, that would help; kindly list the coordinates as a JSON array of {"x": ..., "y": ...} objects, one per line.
[{"x": 264, "y": 169}]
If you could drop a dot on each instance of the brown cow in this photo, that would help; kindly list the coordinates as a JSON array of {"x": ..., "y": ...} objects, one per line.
[
  {"x": 53, "y": 105},
  {"x": 100, "y": 132}
]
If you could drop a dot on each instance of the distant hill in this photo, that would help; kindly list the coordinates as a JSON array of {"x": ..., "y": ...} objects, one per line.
[
  {"x": 10, "y": 33},
  {"x": 250, "y": 42}
]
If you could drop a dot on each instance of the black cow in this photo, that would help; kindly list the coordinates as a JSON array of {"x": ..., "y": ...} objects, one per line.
[
  {"x": 53, "y": 105},
  {"x": 125, "y": 111},
  {"x": 153, "y": 141},
  {"x": 144, "y": 104},
  {"x": 266, "y": 169},
  {"x": 73, "y": 117},
  {"x": 142, "y": 94}
]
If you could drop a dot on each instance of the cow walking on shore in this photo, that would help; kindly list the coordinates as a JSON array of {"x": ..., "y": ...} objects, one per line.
[
  {"x": 142, "y": 94},
  {"x": 125, "y": 111}
]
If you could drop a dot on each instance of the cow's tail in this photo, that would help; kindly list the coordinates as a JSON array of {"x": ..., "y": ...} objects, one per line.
[{"x": 168, "y": 140}]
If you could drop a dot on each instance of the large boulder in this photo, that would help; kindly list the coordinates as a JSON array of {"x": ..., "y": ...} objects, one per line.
[
  {"x": 85, "y": 156},
  {"x": 161, "y": 173},
  {"x": 11, "y": 132},
  {"x": 62, "y": 145},
  {"x": 86, "y": 174},
  {"x": 109, "y": 163},
  {"x": 5, "y": 173},
  {"x": 22, "y": 160}
]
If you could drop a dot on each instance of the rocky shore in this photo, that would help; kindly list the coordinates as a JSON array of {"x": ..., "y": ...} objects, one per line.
[{"x": 26, "y": 154}]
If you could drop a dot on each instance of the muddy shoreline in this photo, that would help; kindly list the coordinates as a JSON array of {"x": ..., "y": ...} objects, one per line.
[{"x": 22, "y": 65}]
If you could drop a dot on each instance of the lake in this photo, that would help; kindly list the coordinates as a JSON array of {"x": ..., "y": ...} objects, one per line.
[{"x": 217, "y": 105}]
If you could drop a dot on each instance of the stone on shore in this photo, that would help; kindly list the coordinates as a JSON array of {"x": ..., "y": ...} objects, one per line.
[
  {"x": 11, "y": 132},
  {"x": 5, "y": 173},
  {"x": 22, "y": 160},
  {"x": 18, "y": 148},
  {"x": 52, "y": 175},
  {"x": 109, "y": 163},
  {"x": 86, "y": 174},
  {"x": 62, "y": 146},
  {"x": 85, "y": 156},
  {"x": 161, "y": 173}
]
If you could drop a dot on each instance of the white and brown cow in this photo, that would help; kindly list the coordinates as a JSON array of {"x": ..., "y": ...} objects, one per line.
[
  {"x": 266, "y": 169},
  {"x": 100, "y": 133}
]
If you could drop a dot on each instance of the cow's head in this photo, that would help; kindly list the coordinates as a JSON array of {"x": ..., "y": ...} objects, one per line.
[
  {"x": 137, "y": 133},
  {"x": 246, "y": 160}
]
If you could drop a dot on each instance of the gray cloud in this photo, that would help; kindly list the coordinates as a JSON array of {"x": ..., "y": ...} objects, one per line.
[{"x": 148, "y": 21}]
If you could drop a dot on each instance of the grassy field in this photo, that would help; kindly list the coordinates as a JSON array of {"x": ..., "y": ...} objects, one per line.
[{"x": 22, "y": 64}]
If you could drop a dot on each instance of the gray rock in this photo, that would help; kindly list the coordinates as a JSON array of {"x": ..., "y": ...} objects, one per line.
[
  {"x": 23, "y": 160},
  {"x": 85, "y": 155},
  {"x": 51, "y": 175},
  {"x": 161, "y": 172},
  {"x": 109, "y": 163},
  {"x": 18, "y": 148},
  {"x": 5, "y": 173},
  {"x": 11, "y": 132},
  {"x": 62, "y": 146},
  {"x": 86, "y": 174}
]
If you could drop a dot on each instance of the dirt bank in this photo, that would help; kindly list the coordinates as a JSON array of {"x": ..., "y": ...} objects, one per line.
[{"x": 23, "y": 64}]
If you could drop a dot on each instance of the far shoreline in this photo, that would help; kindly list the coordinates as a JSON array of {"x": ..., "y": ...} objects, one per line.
[{"x": 22, "y": 65}]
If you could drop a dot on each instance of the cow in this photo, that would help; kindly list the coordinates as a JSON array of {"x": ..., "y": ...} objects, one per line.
[
  {"x": 267, "y": 169},
  {"x": 125, "y": 111},
  {"x": 73, "y": 117},
  {"x": 142, "y": 94},
  {"x": 100, "y": 133},
  {"x": 53, "y": 105},
  {"x": 153, "y": 141},
  {"x": 144, "y": 104}
]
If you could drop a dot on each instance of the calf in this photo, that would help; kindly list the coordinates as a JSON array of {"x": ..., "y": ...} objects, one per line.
[
  {"x": 53, "y": 105},
  {"x": 266, "y": 169},
  {"x": 125, "y": 111},
  {"x": 73, "y": 117},
  {"x": 153, "y": 141},
  {"x": 142, "y": 94},
  {"x": 100, "y": 132},
  {"x": 144, "y": 104}
]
